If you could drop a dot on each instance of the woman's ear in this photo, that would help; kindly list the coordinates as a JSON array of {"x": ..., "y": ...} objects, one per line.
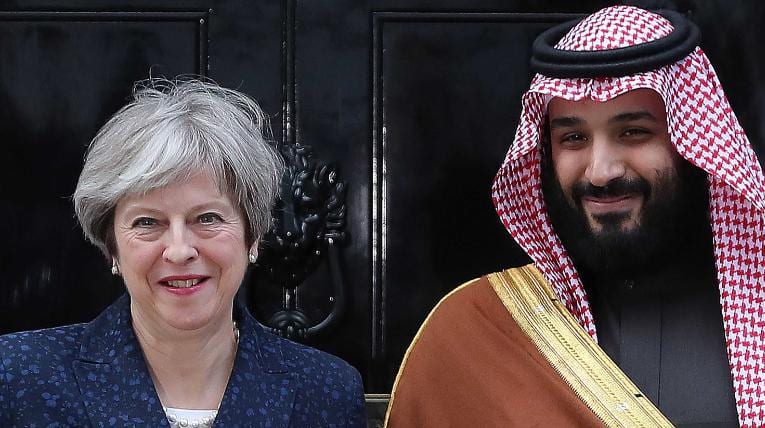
[{"x": 253, "y": 253}]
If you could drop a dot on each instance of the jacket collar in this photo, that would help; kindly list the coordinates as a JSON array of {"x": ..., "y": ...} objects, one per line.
[{"x": 116, "y": 386}]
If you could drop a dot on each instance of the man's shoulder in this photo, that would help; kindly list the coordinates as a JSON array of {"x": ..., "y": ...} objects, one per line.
[
  {"x": 476, "y": 293},
  {"x": 469, "y": 330},
  {"x": 472, "y": 306}
]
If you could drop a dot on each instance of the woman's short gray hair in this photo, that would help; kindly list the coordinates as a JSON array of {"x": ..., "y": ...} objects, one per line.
[{"x": 169, "y": 131}]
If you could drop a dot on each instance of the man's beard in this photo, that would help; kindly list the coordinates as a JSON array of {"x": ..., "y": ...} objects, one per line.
[{"x": 673, "y": 218}]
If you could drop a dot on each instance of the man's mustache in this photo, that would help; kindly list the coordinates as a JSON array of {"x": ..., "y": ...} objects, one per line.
[{"x": 615, "y": 188}]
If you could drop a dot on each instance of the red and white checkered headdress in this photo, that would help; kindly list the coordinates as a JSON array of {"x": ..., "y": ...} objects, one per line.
[{"x": 705, "y": 131}]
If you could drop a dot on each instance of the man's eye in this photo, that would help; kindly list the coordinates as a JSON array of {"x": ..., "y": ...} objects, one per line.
[
  {"x": 144, "y": 222},
  {"x": 635, "y": 132},
  {"x": 209, "y": 218},
  {"x": 573, "y": 138}
]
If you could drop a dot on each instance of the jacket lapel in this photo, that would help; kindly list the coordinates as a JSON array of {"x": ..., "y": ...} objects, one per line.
[
  {"x": 112, "y": 375},
  {"x": 118, "y": 391},
  {"x": 261, "y": 391}
]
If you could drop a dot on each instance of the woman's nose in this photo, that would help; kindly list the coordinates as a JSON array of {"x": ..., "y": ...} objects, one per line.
[{"x": 180, "y": 248}]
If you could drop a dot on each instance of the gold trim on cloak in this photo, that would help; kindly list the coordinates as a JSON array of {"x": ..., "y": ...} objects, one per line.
[{"x": 579, "y": 361}]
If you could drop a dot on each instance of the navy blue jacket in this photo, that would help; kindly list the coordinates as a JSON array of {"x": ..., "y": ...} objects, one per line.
[{"x": 95, "y": 375}]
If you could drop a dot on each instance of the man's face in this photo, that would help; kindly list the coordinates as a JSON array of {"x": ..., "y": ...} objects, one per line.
[{"x": 611, "y": 158}]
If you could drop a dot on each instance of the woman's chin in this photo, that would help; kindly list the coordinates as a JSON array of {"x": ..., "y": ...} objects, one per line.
[
  {"x": 184, "y": 321},
  {"x": 191, "y": 314}
]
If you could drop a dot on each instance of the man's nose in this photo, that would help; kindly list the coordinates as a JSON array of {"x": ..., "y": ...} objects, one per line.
[
  {"x": 180, "y": 245},
  {"x": 606, "y": 163}
]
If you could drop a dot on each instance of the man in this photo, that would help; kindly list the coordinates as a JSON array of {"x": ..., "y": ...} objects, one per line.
[{"x": 637, "y": 195}]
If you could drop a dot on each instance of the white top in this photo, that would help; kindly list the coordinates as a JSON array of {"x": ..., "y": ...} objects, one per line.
[{"x": 188, "y": 418}]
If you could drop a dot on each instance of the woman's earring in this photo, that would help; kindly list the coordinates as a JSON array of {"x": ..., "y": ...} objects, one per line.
[
  {"x": 252, "y": 257},
  {"x": 115, "y": 267}
]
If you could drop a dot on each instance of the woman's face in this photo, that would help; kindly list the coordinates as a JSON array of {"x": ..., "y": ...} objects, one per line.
[{"x": 182, "y": 254}]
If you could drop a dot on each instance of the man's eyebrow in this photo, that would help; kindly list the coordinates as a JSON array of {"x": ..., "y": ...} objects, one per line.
[
  {"x": 631, "y": 116},
  {"x": 565, "y": 122}
]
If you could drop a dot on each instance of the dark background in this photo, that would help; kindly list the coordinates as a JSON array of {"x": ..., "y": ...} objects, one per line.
[{"x": 415, "y": 101}]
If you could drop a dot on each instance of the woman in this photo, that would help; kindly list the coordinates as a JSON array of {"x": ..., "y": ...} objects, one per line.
[{"x": 176, "y": 190}]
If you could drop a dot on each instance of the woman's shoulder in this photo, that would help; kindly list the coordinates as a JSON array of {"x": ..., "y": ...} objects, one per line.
[
  {"x": 55, "y": 342},
  {"x": 328, "y": 391},
  {"x": 31, "y": 356},
  {"x": 307, "y": 361},
  {"x": 333, "y": 387},
  {"x": 37, "y": 381},
  {"x": 277, "y": 353}
]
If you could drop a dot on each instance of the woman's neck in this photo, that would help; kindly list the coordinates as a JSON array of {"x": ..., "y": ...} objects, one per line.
[{"x": 190, "y": 369}]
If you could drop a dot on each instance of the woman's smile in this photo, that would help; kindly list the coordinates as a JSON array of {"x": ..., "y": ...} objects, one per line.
[{"x": 184, "y": 285}]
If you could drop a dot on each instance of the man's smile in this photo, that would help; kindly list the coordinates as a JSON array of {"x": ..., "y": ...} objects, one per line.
[{"x": 594, "y": 206}]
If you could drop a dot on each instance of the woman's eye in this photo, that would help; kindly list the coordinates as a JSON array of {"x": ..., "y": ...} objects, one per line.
[
  {"x": 144, "y": 222},
  {"x": 209, "y": 218}
]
